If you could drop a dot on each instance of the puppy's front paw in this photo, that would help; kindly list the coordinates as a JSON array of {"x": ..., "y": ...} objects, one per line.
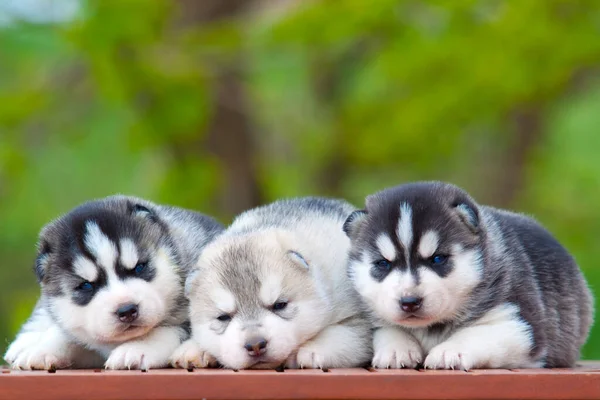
[
  {"x": 448, "y": 355},
  {"x": 396, "y": 349},
  {"x": 34, "y": 353},
  {"x": 310, "y": 355},
  {"x": 39, "y": 358},
  {"x": 189, "y": 355},
  {"x": 136, "y": 355}
]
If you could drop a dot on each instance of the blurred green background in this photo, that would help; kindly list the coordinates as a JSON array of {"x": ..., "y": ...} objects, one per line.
[{"x": 222, "y": 105}]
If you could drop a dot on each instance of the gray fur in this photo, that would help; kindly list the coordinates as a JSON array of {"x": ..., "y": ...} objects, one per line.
[{"x": 521, "y": 264}]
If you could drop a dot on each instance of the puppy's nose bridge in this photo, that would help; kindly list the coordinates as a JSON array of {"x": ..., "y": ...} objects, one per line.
[{"x": 250, "y": 326}]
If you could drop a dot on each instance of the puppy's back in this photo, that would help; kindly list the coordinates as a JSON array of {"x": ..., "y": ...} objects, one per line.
[
  {"x": 287, "y": 213},
  {"x": 559, "y": 286}
]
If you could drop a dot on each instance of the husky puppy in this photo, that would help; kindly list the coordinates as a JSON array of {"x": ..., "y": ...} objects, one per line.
[
  {"x": 459, "y": 285},
  {"x": 272, "y": 291},
  {"x": 112, "y": 274}
]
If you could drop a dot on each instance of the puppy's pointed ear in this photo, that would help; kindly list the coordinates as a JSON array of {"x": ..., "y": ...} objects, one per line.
[
  {"x": 41, "y": 261},
  {"x": 190, "y": 281},
  {"x": 469, "y": 215},
  {"x": 142, "y": 211},
  {"x": 353, "y": 222},
  {"x": 298, "y": 258},
  {"x": 193, "y": 277}
]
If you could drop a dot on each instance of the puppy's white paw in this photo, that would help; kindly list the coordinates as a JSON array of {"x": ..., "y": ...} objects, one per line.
[
  {"x": 31, "y": 352},
  {"x": 189, "y": 355},
  {"x": 137, "y": 355},
  {"x": 395, "y": 349},
  {"x": 40, "y": 358},
  {"x": 310, "y": 355},
  {"x": 449, "y": 355}
]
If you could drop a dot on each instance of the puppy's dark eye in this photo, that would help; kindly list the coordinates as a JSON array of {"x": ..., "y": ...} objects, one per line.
[
  {"x": 140, "y": 268},
  {"x": 85, "y": 287},
  {"x": 224, "y": 317},
  {"x": 438, "y": 259},
  {"x": 279, "y": 305},
  {"x": 383, "y": 264}
]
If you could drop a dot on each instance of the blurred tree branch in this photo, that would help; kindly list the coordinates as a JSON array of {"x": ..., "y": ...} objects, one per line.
[{"x": 230, "y": 137}]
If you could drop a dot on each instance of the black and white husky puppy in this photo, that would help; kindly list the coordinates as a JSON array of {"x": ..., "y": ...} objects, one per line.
[
  {"x": 112, "y": 274},
  {"x": 455, "y": 284},
  {"x": 273, "y": 291}
]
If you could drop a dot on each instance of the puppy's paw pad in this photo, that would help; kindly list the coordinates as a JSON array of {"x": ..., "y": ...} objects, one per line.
[
  {"x": 189, "y": 355},
  {"x": 447, "y": 356}
]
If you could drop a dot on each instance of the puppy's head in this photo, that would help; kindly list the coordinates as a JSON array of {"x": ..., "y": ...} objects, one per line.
[
  {"x": 253, "y": 301},
  {"x": 108, "y": 270},
  {"x": 416, "y": 252}
]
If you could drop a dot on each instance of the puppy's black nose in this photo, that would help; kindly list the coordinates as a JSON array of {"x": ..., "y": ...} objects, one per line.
[
  {"x": 127, "y": 313},
  {"x": 410, "y": 303},
  {"x": 256, "y": 346}
]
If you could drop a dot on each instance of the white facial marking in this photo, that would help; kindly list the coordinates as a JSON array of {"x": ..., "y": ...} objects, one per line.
[
  {"x": 129, "y": 254},
  {"x": 96, "y": 324},
  {"x": 224, "y": 300},
  {"x": 100, "y": 246},
  {"x": 405, "y": 233},
  {"x": 444, "y": 297},
  {"x": 85, "y": 268},
  {"x": 383, "y": 297},
  {"x": 270, "y": 290},
  {"x": 386, "y": 247},
  {"x": 428, "y": 244},
  {"x": 467, "y": 270}
]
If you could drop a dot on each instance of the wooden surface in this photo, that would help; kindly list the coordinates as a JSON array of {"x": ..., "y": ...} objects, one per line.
[{"x": 579, "y": 383}]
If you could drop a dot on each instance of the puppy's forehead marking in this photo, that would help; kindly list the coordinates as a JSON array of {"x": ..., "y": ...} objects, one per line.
[
  {"x": 85, "y": 268},
  {"x": 428, "y": 244},
  {"x": 129, "y": 254},
  {"x": 270, "y": 290},
  {"x": 100, "y": 246},
  {"x": 405, "y": 228},
  {"x": 386, "y": 247},
  {"x": 224, "y": 300}
]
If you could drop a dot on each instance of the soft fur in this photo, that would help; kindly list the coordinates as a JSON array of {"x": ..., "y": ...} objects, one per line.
[
  {"x": 291, "y": 252},
  {"x": 496, "y": 289},
  {"x": 92, "y": 262}
]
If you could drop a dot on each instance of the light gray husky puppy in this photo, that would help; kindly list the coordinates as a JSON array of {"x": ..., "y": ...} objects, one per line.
[
  {"x": 273, "y": 291},
  {"x": 455, "y": 284},
  {"x": 112, "y": 274}
]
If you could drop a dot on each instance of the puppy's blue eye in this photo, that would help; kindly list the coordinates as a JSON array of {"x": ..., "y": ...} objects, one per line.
[
  {"x": 224, "y": 317},
  {"x": 439, "y": 259},
  {"x": 139, "y": 268},
  {"x": 383, "y": 264},
  {"x": 279, "y": 305},
  {"x": 85, "y": 287}
]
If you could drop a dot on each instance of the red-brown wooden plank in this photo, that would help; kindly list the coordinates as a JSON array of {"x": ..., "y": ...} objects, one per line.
[{"x": 307, "y": 384}]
